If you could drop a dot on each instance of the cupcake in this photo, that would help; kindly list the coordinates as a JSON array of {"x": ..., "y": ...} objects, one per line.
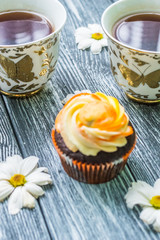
[{"x": 93, "y": 137}]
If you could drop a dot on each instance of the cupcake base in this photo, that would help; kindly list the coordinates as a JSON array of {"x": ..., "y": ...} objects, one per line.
[{"x": 88, "y": 172}]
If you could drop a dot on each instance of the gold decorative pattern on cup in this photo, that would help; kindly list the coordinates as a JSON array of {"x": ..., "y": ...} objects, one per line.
[
  {"x": 134, "y": 79},
  {"x": 20, "y": 71},
  {"x": 17, "y": 66},
  {"x": 27, "y": 94},
  {"x": 43, "y": 72},
  {"x": 135, "y": 67}
]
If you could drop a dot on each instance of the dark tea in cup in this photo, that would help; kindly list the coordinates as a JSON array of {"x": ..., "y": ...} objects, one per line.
[
  {"x": 18, "y": 27},
  {"x": 140, "y": 30}
]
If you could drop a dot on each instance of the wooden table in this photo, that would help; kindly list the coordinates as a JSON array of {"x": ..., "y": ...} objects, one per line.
[{"x": 71, "y": 210}]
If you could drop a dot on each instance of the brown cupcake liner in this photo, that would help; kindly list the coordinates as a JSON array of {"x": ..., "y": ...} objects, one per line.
[{"x": 91, "y": 173}]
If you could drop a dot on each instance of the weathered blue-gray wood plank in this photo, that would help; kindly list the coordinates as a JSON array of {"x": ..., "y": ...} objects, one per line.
[
  {"x": 27, "y": 224},
  {"x": 74, "y": 210}
]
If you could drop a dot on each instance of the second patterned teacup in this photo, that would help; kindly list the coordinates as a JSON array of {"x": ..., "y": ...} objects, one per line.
[{"x": 133, "y": 30}]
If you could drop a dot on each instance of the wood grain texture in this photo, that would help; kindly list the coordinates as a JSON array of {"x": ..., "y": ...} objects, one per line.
[
  {"x": 28, "y": 224},
  {"x": 74, "y": 210}
]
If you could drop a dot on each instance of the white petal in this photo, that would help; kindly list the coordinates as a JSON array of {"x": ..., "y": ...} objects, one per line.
[
  {"x": 156, "y": 224},
  {"x": 83, "y": 31},
  {"x": 85, "y": 43},
  {"x": 27, "y": 199},
  {"x": 156, "y": 192},
  {"x": 4, "y": 176},
  {"x": 103, "y": 42},
  {"x": 9, "y": 170},
  {"x": 96, "y": 47},
  {"x": 39, "y": 178},
  {"x": 15, "y": 159},
  {"x": 15, "y": 201},
  {"x": 41, "y": 169},
  {"x": 95, "y": 28},
  {"x": 14, "y": 163},
  {"x": 139, "y": 193},
  {"x": 79, "y": 38},
  {"x": 28, "y": 164},
  {"x": 34, "y": 189},
  {"x": 5, "y": 189},
  {"x": 148, "y": 215},
  {"x": 157, "y": 183},
  {"x": 142, "y": 187},
  {"x": 134, "y": 198}
]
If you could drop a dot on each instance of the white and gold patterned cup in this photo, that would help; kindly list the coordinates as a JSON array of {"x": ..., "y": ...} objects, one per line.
[
  {"x": 25, "y": 68},
  {"x": 136, "y": 71}
]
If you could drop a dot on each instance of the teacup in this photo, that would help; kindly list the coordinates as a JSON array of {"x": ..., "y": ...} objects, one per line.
[
  {"x": 35, "y": 61},
  {"x": 136, "y": 71}
]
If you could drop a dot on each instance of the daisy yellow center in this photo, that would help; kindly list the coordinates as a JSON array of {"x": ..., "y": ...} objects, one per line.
[
  {"x": 17, "y": 180},
  {"x": 97, "y": 36},
  {"x": 155, "y": 201}
]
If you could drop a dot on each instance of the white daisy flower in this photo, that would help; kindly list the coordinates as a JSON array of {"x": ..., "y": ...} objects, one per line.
[
  {"x": 148, "y": 198},
  {"x": 20, "y": 180},
  {"x": 93, "y": 37}
]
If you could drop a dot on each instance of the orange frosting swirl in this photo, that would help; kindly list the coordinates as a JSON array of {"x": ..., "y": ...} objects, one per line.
[{"x": 93, "y": 122}]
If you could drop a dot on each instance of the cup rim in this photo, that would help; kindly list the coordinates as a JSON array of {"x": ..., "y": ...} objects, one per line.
[
  {"x": 114, "y": 39},
  {"x": 40, "y": 39}
]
